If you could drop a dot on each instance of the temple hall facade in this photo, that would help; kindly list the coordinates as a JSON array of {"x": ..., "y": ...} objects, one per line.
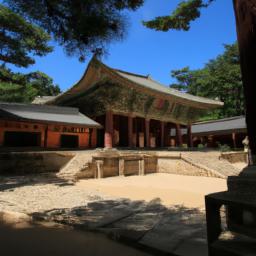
[{"x": 134, "y": 110}]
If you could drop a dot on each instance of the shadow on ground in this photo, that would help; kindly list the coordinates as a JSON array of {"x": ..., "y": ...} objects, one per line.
[
  {"x": 12, "y": 182},
  {"x": 149, "y": 225}
]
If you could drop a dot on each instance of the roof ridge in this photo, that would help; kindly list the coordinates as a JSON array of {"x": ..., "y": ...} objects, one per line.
[
  {"x": 220, "y": 120},
  {"x": 130, "y": 73},
  {"x": 38, "y": 106}
]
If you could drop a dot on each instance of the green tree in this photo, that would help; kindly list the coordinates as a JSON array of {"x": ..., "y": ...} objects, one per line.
[
  {"x": 43, "y": 84},
  {"x": 17, "y": 87},
  {"x": 219, "y": 79},
  {"x": 80, "y": 26},
  {"x": 20, "y": 40}
]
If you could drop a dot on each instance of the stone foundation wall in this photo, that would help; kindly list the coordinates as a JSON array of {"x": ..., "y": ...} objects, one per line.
[
  {"x": 110, "y": 167},
  {"x": 34, "y": 162},
  {"x": 151, "y": 165},
  {"x": 131, "y": 167}
]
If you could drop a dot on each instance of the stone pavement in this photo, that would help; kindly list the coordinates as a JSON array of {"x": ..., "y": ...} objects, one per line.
[{"x": 161, "y": 230}]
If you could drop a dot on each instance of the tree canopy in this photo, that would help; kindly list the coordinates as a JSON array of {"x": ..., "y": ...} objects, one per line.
[
  {"x": 219, "y": 78},
  {"x": 80, "y": 26},
  {"x": 20, "y": 40},
  {"x": 181, "y": 17}
]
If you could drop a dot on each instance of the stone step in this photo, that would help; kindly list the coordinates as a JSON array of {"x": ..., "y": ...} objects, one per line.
[
  {"x": 77, "y": 164},
  {"x": 211, "y": 162}
]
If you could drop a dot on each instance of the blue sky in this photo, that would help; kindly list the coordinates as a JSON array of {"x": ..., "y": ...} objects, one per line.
[{"x": 146, "y": 51}]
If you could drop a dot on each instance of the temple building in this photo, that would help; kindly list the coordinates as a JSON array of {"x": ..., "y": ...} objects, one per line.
[
  {"x": 30, "y": 125},
  {"x": 134, "y": 110}
]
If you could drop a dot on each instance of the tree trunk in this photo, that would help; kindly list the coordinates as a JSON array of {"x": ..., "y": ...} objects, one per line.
[{"x": 245, "y": 11}]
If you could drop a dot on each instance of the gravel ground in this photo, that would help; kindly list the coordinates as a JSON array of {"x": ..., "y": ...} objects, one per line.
[{"x": 39, "y": 193}]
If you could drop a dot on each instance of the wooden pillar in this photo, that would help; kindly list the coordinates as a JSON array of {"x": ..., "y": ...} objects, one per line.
[
  {"x": 108, "y": 137},
  {"x": 189, "y": 134},
  {"x": 130, "y": 131},
  {"x": 93, "y": 139},
  {"x": 162, "y": 133},
  {"x": 147, "y": 132},
  {"x": 234, "y": 139},
  {"x": 178, "y": 135},
  {"x": 136, "y": 132},
  {"x": 45, "y": 142},
  {"x": 167, "y": 134}
]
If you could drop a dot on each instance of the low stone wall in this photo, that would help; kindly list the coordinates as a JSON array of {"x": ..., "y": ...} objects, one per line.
[
  {"x": 32, "y": 162},
  {"x": 115, "y": 164},
  {"x": 235, "y": 157}
]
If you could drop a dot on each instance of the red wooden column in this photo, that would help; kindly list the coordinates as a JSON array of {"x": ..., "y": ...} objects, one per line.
[
  {"x": 147, "y": 131},
  {"x": 162, "y": 132},
  {"x": 130, "y": 131},
  {"x": 108, "y": 137},
  {"x": 189, "y": 134},
  {"x": 178, "y": 136},
  {"x": 94, "y": 138}
]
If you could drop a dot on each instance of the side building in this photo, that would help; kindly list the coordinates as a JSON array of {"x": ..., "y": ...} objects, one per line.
[
  {"x": 230, "y": 131},
  {"x": 30, "y": 125},
  {"x": 134, "y": 110}
]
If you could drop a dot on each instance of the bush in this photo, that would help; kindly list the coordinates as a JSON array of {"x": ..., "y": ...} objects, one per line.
[
  {"x": 224, "y": 148},
  {"x": 200, "y": 146}
]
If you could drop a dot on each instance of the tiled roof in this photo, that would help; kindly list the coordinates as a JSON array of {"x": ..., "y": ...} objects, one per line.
[
  {"x": 221, "y": 125},
  {"x": 148, "y": 82},
  {"x": 45, "y": 113},
  {"x": 143, "y": 81}
]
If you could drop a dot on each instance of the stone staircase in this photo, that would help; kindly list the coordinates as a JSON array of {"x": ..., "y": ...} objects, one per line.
[
  {"x": 210, "y": 161},
  {"x": 79, "y": 163}
]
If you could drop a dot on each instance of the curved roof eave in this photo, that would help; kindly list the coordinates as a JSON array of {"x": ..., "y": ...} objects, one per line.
[{"x": 147, "y": 83}]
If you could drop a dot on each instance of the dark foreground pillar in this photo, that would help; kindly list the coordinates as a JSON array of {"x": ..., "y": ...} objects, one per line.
[{"x": 245, "y": 11}]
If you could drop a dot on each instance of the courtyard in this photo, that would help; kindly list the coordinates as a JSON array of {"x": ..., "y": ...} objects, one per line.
[{"x": 159, "y": 213}]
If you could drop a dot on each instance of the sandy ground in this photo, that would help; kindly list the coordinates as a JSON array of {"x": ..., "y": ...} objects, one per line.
[
  {"x": 40, "y": 195},
  {"x": 171, "y": 189}
]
